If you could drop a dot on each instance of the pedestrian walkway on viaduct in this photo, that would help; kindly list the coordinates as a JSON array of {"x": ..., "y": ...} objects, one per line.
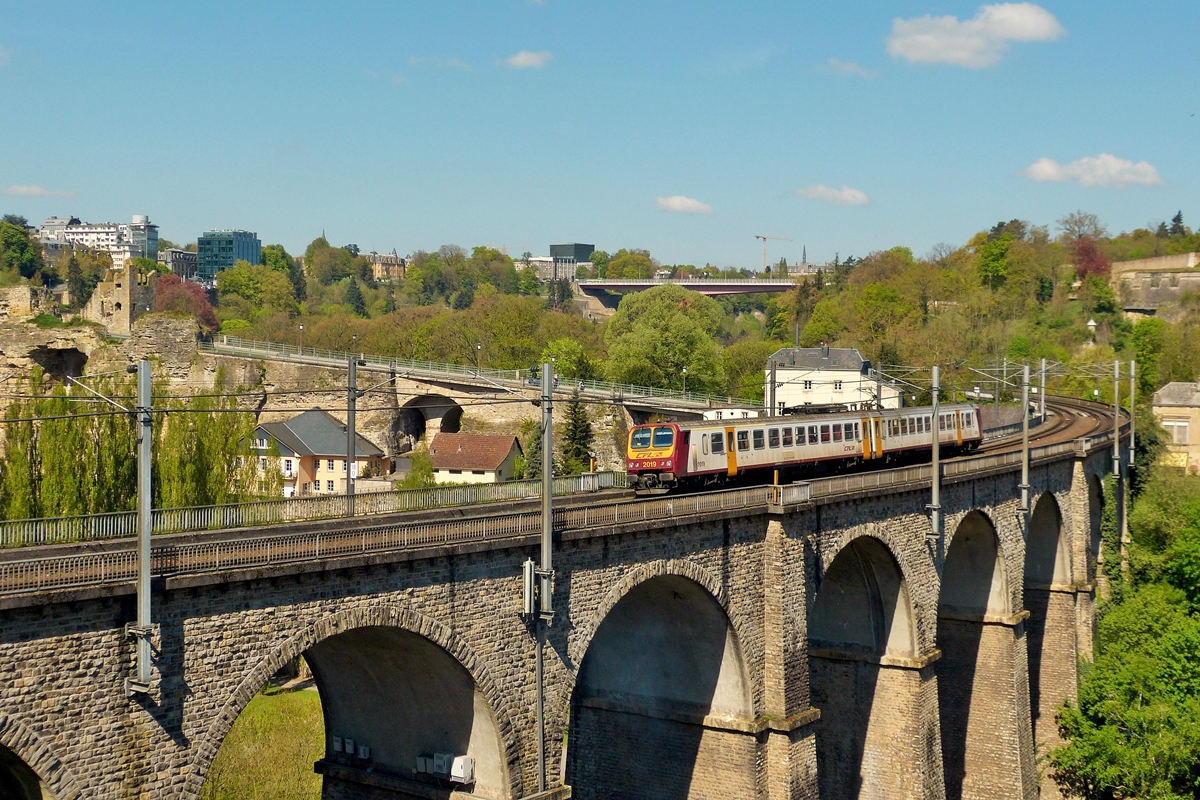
[{"x": 825, "y": 649}]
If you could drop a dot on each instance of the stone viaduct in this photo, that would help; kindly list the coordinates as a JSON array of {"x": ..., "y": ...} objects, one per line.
[{"x": 827, "y": 649}]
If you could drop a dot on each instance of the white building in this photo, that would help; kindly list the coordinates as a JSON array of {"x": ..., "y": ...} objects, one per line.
[
  {"x": 817, "y": 376},
  {"x": 138, "y": 239}
]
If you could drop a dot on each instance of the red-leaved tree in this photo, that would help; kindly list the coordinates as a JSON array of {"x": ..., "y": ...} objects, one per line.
[
  {"x": 177, "y": 296},
  {"x": 1088, "y": 258}
]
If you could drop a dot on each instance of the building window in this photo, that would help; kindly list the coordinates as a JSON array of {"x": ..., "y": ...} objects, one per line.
[
  {"x": 262, "y": 464},
  {"x": 287, "y": 465},
  {"x": 1177, "y": 430},
  {"x": 456, "y": 472},
  {"x": 476, "y": 472},
  {"x": 808, "y": 386},
  {"x": 329, "y": 465},
  {"x": 329, "y": 485},
  {"x": 837, "y": 386},
  {"x": 343, "y": 466},
  {"x": 305, "y": 489}
]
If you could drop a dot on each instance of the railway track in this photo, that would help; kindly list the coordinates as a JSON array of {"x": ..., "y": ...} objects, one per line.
[{"x": 111, "y": 566}]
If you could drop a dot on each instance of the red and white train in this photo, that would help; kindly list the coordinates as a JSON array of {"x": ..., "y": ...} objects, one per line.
[{"x": 664, "y": 455}]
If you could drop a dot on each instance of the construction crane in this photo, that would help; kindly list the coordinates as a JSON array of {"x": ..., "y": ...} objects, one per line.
[
  {"x": 503, "y": 248},
  {"x": 764, "y": 238}
]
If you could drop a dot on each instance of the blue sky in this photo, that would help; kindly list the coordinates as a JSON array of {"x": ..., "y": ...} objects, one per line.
[{"x": 683, "y": 128}]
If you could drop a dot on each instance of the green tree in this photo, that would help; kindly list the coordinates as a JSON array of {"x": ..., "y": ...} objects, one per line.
[
  {"x": 354, "y": 299},
  {"x": 533, "y": 453},
  {"x": 420, "y": 471},
  {"x": 993, "y": 261},
  {"x": 18, "y": 252},
  {"x": 655, "y": 334},
  {"x": 76, "y": 286},
  {"x": 576, "y": 439},
  {"x": 569, "y": 358},
  {"x": 825, "y": 324}
]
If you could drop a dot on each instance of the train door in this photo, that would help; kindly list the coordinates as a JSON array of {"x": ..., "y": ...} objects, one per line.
[
  {"x": 731, "y": 452},
  {"x": 879, "y": 437},
  {"x": 866, "y": 438},
  {"x": 958, "y": 428}
]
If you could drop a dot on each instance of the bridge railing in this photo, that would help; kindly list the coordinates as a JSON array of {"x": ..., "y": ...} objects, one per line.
[
  {"x": 63, "y": 572},
  {"x": 508, "y": 378},
  {"x": 123, "y": 524},
  {"x": 686, "y": 281}
]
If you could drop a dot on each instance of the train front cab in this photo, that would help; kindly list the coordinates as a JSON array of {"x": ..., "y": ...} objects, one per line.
[{"x": 655, "y": 455}]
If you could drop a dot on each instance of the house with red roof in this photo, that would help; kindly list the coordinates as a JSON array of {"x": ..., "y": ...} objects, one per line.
[{"x": 474, "y": 458}]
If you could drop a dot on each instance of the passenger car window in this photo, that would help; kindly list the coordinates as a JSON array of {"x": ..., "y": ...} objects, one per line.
[
  {"x": 812, "y": 434},
  {"x": 758, "y": 439},
  {"x": 773, "y": 437},
  {"x": 743, "y": 440},
  {"x": 787, "y": 437},
  {"x": 837, "y": 433},
  {"x": 718, "y": 443},
  {"x": 824, "y": 434}
]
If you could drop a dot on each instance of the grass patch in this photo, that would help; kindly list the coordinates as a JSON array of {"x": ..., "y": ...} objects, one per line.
[
  {"x": 48, "y": 321},
  {"x": 269, "y": 753}
]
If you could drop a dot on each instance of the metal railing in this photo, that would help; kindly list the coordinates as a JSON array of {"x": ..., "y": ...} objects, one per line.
[
  {"x": 686, "y": 281},
  {"x": 119, "y": 566},
  {"x": 123, "y": 524},
  {"x": 508, "y": 378}
]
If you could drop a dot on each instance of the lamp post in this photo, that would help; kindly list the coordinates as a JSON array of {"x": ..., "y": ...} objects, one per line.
[
  {"x": 478, "y": 353},
  {"x": 301, "y": 338},
  {"x": 685, "y": 380}
]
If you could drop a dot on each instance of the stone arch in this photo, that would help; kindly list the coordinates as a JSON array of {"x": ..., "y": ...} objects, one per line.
[
  {"x": 30, "y": 759},
  {"x": 427, "y": 415},
  {"x": 866, "y": 677},
  {"x": 661, "y": 670},
  {"x": 980, "y": 671},
  {"x": 1050, "y": 599},
  {"x": 356, "y": 619}
]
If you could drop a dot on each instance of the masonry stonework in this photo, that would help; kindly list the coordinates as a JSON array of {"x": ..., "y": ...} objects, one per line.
[{"x": 711, "y": 656}]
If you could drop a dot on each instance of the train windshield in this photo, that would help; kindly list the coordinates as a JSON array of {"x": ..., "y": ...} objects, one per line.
[
  {"x": 641, "y": 438},
  {"x": 664, "y": 437}
]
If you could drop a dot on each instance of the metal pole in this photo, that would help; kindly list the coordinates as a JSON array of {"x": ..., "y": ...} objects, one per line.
[
  {"x": 351, "y": 407},
  {"x": 145, "y": 436},
  {"x": 1025, "y": 439},
  {"x": 879, "y": 389},
  {"x": 1119, "y": 469},
  {"x": 935, "y": 505},
  {"x": 546, "y": 614},
  {"x": 771, "y": 395},
  {"x": 1042, "y": 393},
  {"x": 1132, "y": 406},
  {"x": 997, "y": 381}
]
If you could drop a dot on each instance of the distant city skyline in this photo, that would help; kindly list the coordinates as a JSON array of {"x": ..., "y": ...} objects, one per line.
[{"x": 684, "y": 130}]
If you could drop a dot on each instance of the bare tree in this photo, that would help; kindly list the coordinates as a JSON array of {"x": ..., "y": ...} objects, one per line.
[{"x": 1081, "y": 225}]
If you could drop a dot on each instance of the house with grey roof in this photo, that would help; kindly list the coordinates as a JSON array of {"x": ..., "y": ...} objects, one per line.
[
  {"x": 311, "y": 456},
  {"x": 817, "y": 376},
  {"x": 1177, "y": 408}
]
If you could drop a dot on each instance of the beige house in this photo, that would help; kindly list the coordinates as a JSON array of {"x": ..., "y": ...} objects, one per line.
[
  {"x": 474, "y": 458},
  {"x": 1177, "y": 408}
]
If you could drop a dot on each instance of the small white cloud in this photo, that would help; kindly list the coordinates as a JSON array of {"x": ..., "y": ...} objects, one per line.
[
  {"x": 34, "y": 191},
  {"x": 850, "y": 68},
  {"x": 1103, "y": 170},
  {"x": 679, "y": 204},
  {"x": 975, "y": 43},
  {"x": 436, "y": 61},
  {"x": 5, "y": 55},
  {"x": 844, "y": 196},
  {"x": 526, "y": 59}
]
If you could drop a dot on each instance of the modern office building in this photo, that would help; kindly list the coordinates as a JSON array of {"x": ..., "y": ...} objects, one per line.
[
  {"x": 143, "y": 235},
  {"x": 217, "y": 250}
]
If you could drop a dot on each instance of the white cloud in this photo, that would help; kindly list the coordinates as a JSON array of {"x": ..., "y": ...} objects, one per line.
[
  {"x": 34, "y": 191},
  {"x": 525, "y": 59},
  {"x": 975, "y": 43},
  {"x": 850, "y": 68},
  {"x": 436, "y": 61},
  {"x": 679, "y": 204},
  {"x": 844, "y": 196},
  {"x": 1103, "y": 170}
]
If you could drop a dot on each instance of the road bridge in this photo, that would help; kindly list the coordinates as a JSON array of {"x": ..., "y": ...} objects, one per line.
[
  {"x": 809, "y": 640},
  {"x": 709, "y": 286}
]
